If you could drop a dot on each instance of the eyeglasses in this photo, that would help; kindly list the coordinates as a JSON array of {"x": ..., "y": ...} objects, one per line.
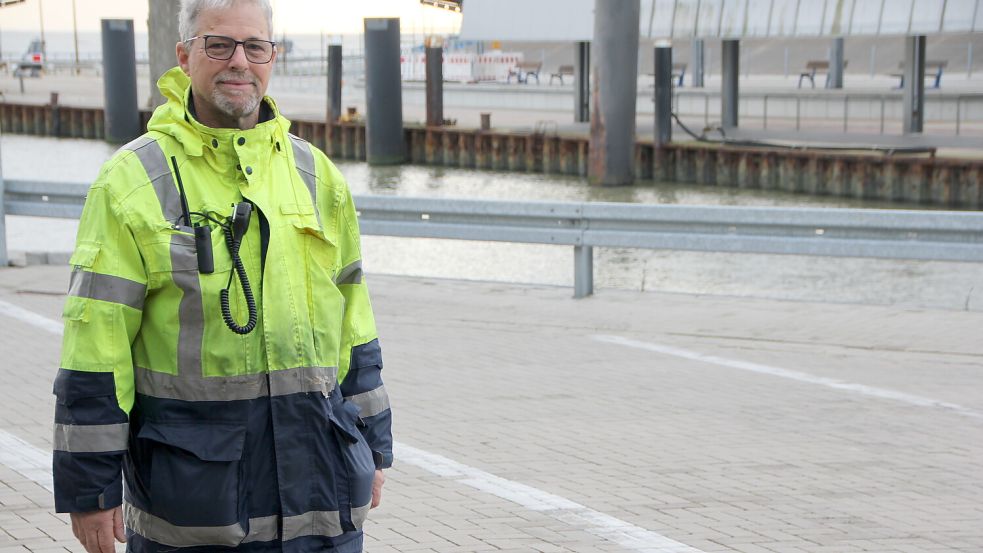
[{"x": 223, "y": 48}]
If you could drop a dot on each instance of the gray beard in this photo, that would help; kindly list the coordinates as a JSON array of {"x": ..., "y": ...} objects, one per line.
[{"x": 232, "y": 108}]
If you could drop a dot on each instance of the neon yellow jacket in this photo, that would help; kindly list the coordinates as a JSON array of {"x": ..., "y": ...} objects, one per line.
[{"x": 229, "y": 437}]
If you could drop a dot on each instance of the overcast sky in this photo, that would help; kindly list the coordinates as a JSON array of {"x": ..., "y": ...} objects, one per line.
[{"x": 291, "y": 16}]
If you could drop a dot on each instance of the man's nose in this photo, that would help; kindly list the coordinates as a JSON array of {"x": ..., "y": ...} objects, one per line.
[{"x": 238, "y": 59}]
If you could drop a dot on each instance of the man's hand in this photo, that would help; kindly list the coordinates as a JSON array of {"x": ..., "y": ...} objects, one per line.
[
  {"x": 377, "y": 483},
  {"x": 95, "y": 529}
]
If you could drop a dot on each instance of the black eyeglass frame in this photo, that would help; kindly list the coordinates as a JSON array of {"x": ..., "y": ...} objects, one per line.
[{"x": 236, "y": 45}]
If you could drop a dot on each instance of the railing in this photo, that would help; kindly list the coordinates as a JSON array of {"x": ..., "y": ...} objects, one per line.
[
  {"x": 888, "y": 234},
  {"x": 957, "y": 106}
]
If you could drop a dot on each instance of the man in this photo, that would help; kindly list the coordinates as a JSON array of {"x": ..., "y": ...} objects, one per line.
[{"x": 220, "y": 350}]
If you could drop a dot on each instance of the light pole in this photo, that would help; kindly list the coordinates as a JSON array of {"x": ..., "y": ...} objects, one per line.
[
  {"x": 44, "y": 49},
  {"x": 75, "y": 30}
]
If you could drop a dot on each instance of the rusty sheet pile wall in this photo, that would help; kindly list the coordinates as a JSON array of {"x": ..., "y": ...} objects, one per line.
[{"x": 917, "y": 179}]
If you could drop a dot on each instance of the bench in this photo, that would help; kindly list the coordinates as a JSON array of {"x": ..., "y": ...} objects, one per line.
[
  {"x": 561, "y": 71},
  {"x": 678, "y": 72},
  {"x": 937, "y": 66},
  {"x": 522, "y": 71},
  {"x": 812, "y": 67}
]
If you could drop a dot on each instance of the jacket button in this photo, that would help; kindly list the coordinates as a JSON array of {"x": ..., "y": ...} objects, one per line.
[
  {"x": 242, "y": 141},
  {"x": 249, "y": 170},
  {"x": 238, "y": 167},
  {"x": 214, "y": 143}
]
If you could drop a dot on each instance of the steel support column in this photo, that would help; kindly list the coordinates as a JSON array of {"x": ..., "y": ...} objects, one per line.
[
  {"x": 334, "y": 82},
  {"x": 614, "y": 71},
  {"x": 581, "y": 83},
  {"x": 835, "y": 79},
  {"x": 696, "y": 62},
  {"x": 583, "y": 271},
  {"x": 435, "y": 86},
  {"x": 730, "y": 74},
  {"x": 383, "y": 93},
  {"x": 663, "y": 95},
  {"x": 119, "y": 61},
  {"x": 914, "y": 84}
]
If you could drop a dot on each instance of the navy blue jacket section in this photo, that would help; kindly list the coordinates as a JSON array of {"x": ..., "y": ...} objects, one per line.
[
  {"x": 87, "y": 481},
  {"x": 365, "y": 375}
]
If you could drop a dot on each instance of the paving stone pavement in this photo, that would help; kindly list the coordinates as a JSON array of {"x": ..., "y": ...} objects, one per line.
[{"x": 529, "y": 421}]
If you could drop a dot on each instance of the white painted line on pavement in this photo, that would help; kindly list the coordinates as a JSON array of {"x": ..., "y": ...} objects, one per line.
[
  {"x": 625, "y": 534},
  {"x": 26, "y": 460},
  {"x": 31, "y": 318},
  {"x": 881, "y": 393},
  {"x": 599, "y": 524}
]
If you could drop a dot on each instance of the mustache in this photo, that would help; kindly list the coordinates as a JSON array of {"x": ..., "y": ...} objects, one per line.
[{"x": 236, "y": 76}]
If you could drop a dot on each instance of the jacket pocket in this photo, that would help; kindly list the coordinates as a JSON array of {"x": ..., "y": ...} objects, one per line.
[
  {"x": 357, "y": 458},
  {"x": 196, "y": 475}
]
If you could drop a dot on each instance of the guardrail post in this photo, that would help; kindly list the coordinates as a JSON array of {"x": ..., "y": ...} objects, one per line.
[{"x": 583, "y": 271}]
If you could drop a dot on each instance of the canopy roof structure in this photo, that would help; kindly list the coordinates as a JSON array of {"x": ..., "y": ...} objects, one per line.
[{"x": 573, "y": 20}]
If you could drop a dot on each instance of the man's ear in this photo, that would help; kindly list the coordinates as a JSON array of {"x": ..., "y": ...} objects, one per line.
[{"x": 183, "y": 53}]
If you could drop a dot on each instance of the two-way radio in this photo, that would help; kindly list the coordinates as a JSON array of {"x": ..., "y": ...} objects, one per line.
[{"x": 234, "y": 228}]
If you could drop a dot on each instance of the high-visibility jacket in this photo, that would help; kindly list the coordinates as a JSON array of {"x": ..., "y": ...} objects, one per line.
[{"x": 265, "y": 441}]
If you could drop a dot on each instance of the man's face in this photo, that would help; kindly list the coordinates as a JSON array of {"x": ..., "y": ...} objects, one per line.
[{"x": 227, "y": 92}]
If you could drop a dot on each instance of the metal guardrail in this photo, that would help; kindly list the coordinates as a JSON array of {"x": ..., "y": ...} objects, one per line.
[{"x": 888, "y": 234}]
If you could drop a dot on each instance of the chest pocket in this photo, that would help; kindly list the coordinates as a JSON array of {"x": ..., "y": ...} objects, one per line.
[{"x": 325, "y": 304}]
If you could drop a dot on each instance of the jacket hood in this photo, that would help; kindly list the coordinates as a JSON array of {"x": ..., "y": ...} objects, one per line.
[{"x": 175, "y": 119}]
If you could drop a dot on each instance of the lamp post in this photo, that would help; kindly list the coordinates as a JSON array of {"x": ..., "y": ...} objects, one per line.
[{"x": 75, "y": 30}]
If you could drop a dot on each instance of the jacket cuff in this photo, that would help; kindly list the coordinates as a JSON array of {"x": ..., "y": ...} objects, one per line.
[{"x": 77, "y": 498}]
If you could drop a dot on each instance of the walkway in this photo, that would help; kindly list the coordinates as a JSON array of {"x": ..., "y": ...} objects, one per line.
[{"x": 627, "y": 422}]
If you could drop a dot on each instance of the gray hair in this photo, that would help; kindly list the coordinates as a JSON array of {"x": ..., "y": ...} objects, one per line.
[{"x": 191, "y": 9}]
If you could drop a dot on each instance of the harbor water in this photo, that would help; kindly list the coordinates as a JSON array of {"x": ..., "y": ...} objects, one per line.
[{"x": 912, "y": 283}]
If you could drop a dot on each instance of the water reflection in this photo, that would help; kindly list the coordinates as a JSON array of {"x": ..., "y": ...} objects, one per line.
[{"x": 446, "y": 182}]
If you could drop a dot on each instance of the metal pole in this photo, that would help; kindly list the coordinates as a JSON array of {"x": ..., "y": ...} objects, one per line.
[
  {"x": 614, "y": 67},
  {"x": 729, "y": 83},
  {"x": 663, "y": 95},
  {"x": 384, "y": 143},
  {"x": 334, "y": 82},
  {"x": 581, "y": 77},
  {"x": 120, "y": 80},
  {"x": 44, "y": 45},
  {"x": 583, "y": 271},
  {"x": 786, "y": 62},
  {"x": 696, "y": 74},
  {"x": 914, "y": 84},
  {"x": 873, "y": 59},
  {"x": 835, "y": 76},
  {"x": 969, "y": 60},
  {"x": 435, "y": 86},
  {"x": 75, "y": 33}
]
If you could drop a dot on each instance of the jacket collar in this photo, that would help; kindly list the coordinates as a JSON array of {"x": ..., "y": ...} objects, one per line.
[{"x": 175, "y": 119}]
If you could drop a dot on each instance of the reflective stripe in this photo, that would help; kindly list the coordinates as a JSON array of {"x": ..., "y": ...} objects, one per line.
[
  {"x": 303, "y": 380},
  {"x": 159, "y": 530},
  {"x": 159, "y": 172},
  {"x": 97, "y": 438},
  {"x": 304, "y": 162},
  {"x": 262, "y": 529},
  {"x": 312, "y": 523},
  {"x": 351, "y": 274},
  {"x": 371, "y": 403},
  {"x": 359, "y": 514},
  {"x": 97, "y": 286},
  {"x": 230, "y": 388},
  {"x": 191, "y": 317}
]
